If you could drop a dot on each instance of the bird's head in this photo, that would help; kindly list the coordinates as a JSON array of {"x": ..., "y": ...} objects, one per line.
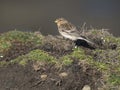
[{"x": 60, "y": 21}]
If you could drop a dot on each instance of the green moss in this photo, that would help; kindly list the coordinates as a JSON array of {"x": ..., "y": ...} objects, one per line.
[
  {"x": 3, "y": 63},
  {"x": 108, "y": 61},
  {"x": 23, "y": 62},
  {"x": 35, "y": 55},
  {"x": 4, "y": 45},
  {"x": 66, "y": 60},
  {"x": 79, "y": 53},
  {"x": 114, "y": 79},
  {"x": 19, "y": 36},
  {"x": 6, "y": 39},
  {"x": 112, "y": 39},
  {"x": 40, "y": 55},
  {"x": 101, "y": 66}
]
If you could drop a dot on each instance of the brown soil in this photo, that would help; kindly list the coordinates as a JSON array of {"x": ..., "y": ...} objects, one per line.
[{"x": 16, "y": 77}]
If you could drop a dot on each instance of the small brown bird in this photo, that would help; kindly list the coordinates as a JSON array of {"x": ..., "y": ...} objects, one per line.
[{"x": 68, "y": 30}]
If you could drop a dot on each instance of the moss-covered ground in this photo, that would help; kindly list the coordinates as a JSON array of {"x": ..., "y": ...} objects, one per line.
[{"x": 55, "y": 64}]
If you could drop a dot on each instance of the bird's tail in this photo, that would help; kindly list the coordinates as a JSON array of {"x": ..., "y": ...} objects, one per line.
[{"x": 88, "y": 41}]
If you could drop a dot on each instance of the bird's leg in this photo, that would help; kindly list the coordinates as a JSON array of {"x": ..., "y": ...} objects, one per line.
[{"x": 75, "y": 43}]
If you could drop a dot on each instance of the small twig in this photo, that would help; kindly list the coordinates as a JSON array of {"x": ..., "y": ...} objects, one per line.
[{"x": 36, "y": 84}]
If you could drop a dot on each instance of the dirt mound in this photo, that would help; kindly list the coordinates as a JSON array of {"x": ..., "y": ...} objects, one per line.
[
  {"x": 72, "y": 77},
  {"x": 35, "y": 62}
]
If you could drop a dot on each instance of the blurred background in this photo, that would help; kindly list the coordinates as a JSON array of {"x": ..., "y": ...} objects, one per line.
[{"x": 33, "y": 15}]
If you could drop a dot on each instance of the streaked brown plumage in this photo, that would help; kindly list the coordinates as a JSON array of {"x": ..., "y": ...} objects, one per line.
[{"x": 68, "y": 30}]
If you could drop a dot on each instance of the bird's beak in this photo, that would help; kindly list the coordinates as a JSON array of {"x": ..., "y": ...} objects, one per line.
[{"x": 55, "y": 21}]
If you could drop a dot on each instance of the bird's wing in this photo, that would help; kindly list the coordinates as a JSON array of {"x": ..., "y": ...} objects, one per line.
[
  {"x": 70, "y": 29},
  {"x": 67, "y": 26},
  {"x": 74, "y": 32},
  {"x": 88, "y": 41}
]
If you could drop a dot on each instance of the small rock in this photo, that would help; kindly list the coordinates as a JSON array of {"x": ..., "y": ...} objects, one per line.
[
  {"x": 43, "y": 76},
  {"x": 63, "y": 74},
  {"x": 86, "y": 87},
  {"x": 37, "y": 65}
]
